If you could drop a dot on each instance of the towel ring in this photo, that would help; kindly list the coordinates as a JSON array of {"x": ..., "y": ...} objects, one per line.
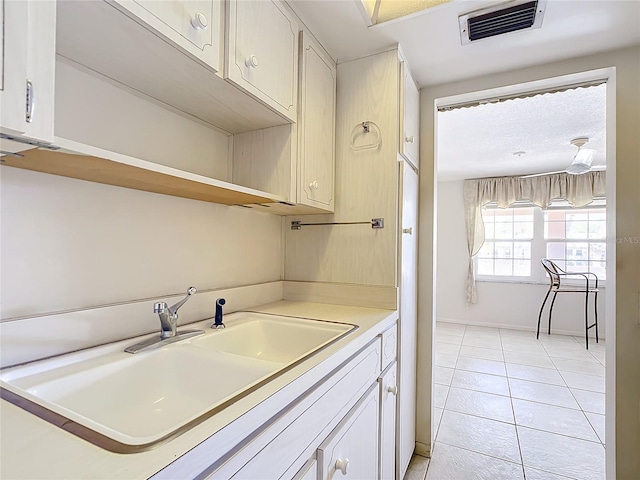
[{"x": 367, "y": 131}]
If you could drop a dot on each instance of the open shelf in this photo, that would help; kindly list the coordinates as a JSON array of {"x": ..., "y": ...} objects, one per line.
[{"x": 85, "y": 162}]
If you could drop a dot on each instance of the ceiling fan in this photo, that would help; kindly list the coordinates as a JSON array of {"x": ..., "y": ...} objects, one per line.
[{"x": 581, "y": 162}]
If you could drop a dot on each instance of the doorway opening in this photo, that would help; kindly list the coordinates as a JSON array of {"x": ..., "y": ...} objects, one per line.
[{"x": 531, "y": 399}]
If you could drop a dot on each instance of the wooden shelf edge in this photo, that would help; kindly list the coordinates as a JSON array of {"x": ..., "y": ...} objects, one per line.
[{"x": 85, "y": 162}]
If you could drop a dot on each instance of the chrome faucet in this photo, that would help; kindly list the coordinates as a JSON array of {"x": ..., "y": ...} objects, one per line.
[
  {"x": 169, "y": 315},
  {"x": 168, "y": 327}
]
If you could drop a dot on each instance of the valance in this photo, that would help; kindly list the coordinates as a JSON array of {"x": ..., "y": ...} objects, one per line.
[{"x": 578, "y": 190}]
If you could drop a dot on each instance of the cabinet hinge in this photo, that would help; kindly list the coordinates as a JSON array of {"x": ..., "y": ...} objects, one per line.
[
  {"x": 31, "y": 100},
  {"x": 28, "y": 141}
]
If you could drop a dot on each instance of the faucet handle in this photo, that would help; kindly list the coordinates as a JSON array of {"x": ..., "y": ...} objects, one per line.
[
  {"x": 174, "y": 308},
  {"x": 159, "y": 307}
]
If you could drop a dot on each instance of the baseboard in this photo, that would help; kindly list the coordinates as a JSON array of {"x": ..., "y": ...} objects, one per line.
[
  {"x": 423, "y": 450},
  {"x": 574, "y": 333}
]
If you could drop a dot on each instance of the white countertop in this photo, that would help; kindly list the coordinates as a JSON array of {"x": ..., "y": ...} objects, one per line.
[{"x": 32, "y": 448}]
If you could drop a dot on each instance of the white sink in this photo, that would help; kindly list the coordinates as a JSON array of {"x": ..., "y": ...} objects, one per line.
[
  {"x": 127, "y": 403},
  {"x": 272, "y": 338}
]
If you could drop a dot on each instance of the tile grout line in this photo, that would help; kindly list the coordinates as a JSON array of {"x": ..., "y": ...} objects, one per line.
[
  {"x": 479, "y": 416},
  {"x": 582, "y": 409},
  {"x": 435, "y": 438},
  {"x": 513, "y": 412},
  {"x": 481, "y": 453},
  {"x": 555, "y": 474},
  {"x": 526, "y": 399},
  {"x": 522, "y": 379},
  {"x": 597, "y": 442}
]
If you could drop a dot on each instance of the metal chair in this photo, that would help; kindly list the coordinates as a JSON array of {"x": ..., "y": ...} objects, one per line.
[{"x": 555, "y": 274}]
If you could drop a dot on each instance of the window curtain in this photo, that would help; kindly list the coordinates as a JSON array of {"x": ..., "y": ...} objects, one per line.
[{"x": 578, "y": 190}]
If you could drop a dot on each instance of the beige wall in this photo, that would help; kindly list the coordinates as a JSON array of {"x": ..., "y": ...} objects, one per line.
[
  {"x": 67, "y": 244},
  {"x": 626, "y": 373},
  {"x": 366, "y": 185}
]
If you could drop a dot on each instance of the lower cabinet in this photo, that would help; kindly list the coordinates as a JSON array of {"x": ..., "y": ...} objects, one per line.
[
  {"x": 388, "y": 396},
  {"x": 351, "y": 451}
]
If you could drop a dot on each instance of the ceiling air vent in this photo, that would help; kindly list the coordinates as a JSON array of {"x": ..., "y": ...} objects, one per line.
[{"x": 504, "y": 18}]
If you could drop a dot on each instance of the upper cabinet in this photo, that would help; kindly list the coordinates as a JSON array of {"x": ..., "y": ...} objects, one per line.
[
  {"x": 160, "y": 49},
  {"x": 262, "y": 53},
  {"x": 195, "y": 26},
  {"x": 27, "y": 64},
  {"x": 296, "y": 161},
  {"x": 409, "y": 133},
  {"x": 236, "y": 68},
  {"x": 316, "y": 126}
]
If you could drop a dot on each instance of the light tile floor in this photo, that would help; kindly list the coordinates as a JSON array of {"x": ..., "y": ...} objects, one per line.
[{"x": 508, "y": 406}]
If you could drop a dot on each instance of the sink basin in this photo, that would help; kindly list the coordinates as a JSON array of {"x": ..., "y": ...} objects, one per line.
[
  {"x": 128, "y": 403},
  {"x": 276, "y": 339},
  {"x": 136, "y": 400}
]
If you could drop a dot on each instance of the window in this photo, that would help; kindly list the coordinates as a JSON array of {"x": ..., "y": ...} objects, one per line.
[
  {"x": 506, "y": 251},
  {"x": 517, "y": 238},
  {"x": 576, "y": 239}
]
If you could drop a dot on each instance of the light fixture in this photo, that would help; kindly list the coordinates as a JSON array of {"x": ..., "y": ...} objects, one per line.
[
  {"x": 583, "y": 159},
  {"x": 379, "y": 11}
]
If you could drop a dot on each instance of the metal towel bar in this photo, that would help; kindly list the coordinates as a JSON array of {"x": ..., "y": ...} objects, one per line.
[{"x": 375, "y": 223}]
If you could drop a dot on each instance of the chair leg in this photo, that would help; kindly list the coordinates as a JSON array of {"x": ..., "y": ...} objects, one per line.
[
  {"x": 586, "y": 318},
  {"x": 553, "y": 300},
  {"x": 595, "y": 311},
  {"x": 540, "y": 314}
]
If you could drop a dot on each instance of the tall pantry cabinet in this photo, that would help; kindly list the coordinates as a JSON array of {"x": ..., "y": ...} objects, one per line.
[{"x": 373, "y": 179}]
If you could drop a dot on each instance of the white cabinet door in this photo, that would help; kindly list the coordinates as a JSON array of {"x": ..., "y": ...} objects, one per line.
[
  {"x": 408, "y": 319},
  {"x": 194, "y": 25},
  {"x": 409, "y": 133},
  {"x": 351, "y": 451},
  {"x": 27, "y": 66},
  {"x": 14, "y": 66},
  {"x": 389, "y": 346},
  {"x": 388, "y": 395},
  {"x": 316, "y": 126},
  {"x": 262, "y": 53}
]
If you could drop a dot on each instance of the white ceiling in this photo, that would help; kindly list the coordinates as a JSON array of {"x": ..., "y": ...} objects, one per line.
[
  {"x": 480, "y": 141},
  {"x": 431, "y": 42}
]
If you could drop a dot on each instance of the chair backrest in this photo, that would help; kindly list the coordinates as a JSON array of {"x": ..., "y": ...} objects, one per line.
[{"x": 553, "y": 270}]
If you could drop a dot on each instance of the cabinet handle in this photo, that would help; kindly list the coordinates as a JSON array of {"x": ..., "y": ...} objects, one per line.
[
  {"x": 313, "y": 185},
  {"x": 409, "y": 139},
  {"x": 251, "y": 61},
  {"x": 342, "y": 464},
  {"x": 393, "y": 389},
  {"x": 199, "y": 22},
  {"x": 31, "y": 102},
  {"x": 408, "y": 230}
]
